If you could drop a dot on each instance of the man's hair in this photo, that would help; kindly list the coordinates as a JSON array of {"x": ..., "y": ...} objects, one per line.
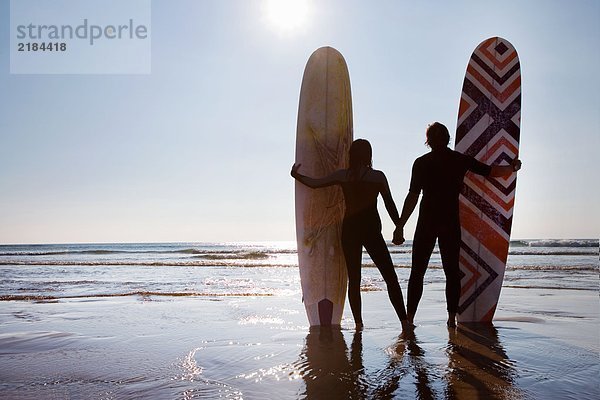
[{"x": 437, "y": 135}]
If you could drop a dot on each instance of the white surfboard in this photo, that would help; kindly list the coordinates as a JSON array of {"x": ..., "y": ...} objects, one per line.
[{"x": 323, "y": 138}]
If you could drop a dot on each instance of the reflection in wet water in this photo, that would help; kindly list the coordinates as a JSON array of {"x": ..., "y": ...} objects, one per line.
[
  {"x": 473, "y": 365},
  {"x": 478, "y": 366},
  {"x": 331, "y": 370},
  {"x": 409, "y": 373}
]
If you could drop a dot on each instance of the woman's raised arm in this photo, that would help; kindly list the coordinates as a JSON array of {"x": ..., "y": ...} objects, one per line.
[{"x": 314, "y": 183}]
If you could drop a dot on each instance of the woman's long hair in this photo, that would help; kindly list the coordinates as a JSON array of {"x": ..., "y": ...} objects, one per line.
[{"x": 361, "y": 154}]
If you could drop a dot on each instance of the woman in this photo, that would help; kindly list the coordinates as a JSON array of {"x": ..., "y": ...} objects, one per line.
[{"x": 361, "y": 185}]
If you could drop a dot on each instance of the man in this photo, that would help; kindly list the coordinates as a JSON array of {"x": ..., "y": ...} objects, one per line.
[{"x": 439, "y": 175}]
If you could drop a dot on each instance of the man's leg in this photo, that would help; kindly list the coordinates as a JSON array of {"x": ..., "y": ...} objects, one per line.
[
  {"x": 449, "y": 241},
  {"x": 423, "y": 244}
]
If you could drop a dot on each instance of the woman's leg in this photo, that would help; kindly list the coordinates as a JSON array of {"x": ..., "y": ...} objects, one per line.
[
  {"x": 380, "y": 255},
  {"x": 352, "y": 248}
]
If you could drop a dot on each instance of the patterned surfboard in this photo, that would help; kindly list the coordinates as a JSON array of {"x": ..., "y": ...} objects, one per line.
[{"x": 488, "y": 129}]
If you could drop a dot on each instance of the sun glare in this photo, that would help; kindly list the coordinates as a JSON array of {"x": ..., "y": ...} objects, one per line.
[{"x": 287, "y": 15}]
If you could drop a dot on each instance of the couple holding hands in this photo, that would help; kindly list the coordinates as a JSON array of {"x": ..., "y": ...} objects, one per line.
[{"x": 439, "y": 175}]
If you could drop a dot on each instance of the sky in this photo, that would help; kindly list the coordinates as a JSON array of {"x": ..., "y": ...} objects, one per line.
[{"x": 200, "y": 148}]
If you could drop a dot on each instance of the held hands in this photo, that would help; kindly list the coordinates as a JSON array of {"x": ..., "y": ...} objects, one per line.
[{"x": 398, "y": 238}]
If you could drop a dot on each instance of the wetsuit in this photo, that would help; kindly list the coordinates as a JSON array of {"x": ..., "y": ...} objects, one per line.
[
  {"x": 439, "y": 174},
  {"x": 362, "y": 227}
]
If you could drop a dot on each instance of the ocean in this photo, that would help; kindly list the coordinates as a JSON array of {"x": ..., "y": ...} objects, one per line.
[
  {"x": 50, "y": 272},
  {"x": 226, "y": 321}
]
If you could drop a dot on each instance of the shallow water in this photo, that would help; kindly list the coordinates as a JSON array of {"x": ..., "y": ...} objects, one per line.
[
  {"x": 226, "y": 321},
  {"x": 261, "y": 347}
]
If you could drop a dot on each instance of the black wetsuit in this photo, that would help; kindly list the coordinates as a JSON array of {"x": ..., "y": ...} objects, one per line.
[
  {"x": 362, "y": 227},
  {"x": 439, "y": 174}
]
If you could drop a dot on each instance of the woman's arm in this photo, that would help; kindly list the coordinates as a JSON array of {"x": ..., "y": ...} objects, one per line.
[
  {"x": 388, "y": 200},
  {"x": 315, "y": 183},
  {"x": 410, "y": 203}
]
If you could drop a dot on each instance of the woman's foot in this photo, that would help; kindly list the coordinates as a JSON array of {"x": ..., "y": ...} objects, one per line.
[
  {"x": 407, "y": 325},
  {"x": 359, "y": 326},
  {"x": 408, "y": 329}
]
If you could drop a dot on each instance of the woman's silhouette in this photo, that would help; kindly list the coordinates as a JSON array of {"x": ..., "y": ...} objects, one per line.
[{"x": 361, "y": 185}]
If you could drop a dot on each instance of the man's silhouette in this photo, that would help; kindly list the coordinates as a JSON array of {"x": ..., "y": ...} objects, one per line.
[{"x": 439, "y": 175}]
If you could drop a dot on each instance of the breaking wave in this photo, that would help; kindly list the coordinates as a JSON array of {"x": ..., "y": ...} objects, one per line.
[
  {"x": 12, "y": 297},
  {"x": 556, "y": 243}
]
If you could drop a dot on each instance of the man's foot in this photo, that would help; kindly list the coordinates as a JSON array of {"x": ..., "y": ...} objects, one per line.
[{"x": 451, "y": 321}]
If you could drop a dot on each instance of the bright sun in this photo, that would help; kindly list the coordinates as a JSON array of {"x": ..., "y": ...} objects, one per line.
[{"x": 287, "y": 15}]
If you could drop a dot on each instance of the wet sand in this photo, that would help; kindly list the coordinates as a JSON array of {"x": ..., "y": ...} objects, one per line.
[{"x": 543, "y": 344}]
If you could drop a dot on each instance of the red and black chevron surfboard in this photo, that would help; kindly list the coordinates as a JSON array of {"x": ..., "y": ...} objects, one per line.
[{"x": 489, "y": 119}]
